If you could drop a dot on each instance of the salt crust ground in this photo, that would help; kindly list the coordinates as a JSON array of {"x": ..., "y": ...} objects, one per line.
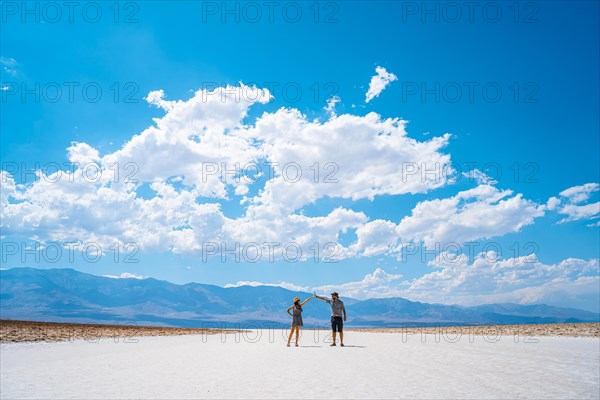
[{"x": 257, "y": 364}]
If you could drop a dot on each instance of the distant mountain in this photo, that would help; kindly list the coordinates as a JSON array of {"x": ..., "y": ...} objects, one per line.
[{"x": 67, "y": 295}]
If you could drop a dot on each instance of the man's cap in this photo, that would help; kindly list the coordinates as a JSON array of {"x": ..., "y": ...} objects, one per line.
[{"x": 335, "y": 294}]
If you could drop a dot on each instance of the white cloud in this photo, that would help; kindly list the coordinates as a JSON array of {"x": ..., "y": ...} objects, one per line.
[
  {"x": 82, "y": 153},
  {"x": 579, "y": 194},
  {"x": 125, "y": 275},
  {"x": 156, "y": 97},
  {"x": 170, "y": 160},
  {"x": 552, "y": 203},
  {"x": 376, "y": 237},
  {"x": 330, "y": 108},
  {"x": 487, "y": 279},
  {"x": 479, "y": 213},
  {"x": 358, "y": 157},
  {"x": 379, "y": 82},
  {"x": 569, "y": 204},
  {"x": 265, "y": 224},
  {"x": 576, "y": 212},
  {"x": 375, "y": 285},
  {"x": 195, "y": 139},
  {"x": 346, "y": 157},
  {"x": 524, "y": 280},
  {"x": 8, "y": 188},
  {"x": 480, "y": 177}
]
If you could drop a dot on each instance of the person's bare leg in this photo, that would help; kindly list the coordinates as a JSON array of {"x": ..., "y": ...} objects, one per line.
[
  {"x": 341, "y": 338},
  {"x": 334, "y": 333},
  {"x": 290, "y": 336},
  {"x": 297, "y": 333}
]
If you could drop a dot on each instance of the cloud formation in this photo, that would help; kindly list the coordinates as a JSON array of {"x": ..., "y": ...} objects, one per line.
[
  {"x": 165, "y": 187},
  {"x": 524, "y": 280},
  {"x": 487, "y": 278},
  {"x": 479, "y": 213},
  {"x": 569, "y": 203},
  {"x": 379, "y": 82}
]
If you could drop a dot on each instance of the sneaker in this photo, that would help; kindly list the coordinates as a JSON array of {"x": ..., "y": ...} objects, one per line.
[
  {"x": 332, "y": 344},
  {"x": 288, "y": 345},
  {"x": 296, "y": 344},
  {"x": 342, "y": 344}
]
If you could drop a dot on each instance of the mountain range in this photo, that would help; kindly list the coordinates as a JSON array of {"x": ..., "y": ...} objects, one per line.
[{"x": 67, "y": 295}]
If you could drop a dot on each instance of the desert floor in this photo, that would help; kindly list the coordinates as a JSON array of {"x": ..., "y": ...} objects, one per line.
[
  {"x": 12, "y": 331},
  {"x": 490, "y": 331},
  {"x": 257, "y": 364}
]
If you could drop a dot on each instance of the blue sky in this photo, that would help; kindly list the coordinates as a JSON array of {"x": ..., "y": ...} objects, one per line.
[{"x": 533, "y": 140}]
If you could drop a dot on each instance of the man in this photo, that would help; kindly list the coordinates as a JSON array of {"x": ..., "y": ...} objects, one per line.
[{"x": 337, "y": 311}]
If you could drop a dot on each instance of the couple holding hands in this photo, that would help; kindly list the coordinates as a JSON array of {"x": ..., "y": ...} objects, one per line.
[{"x": 338, "y": 316}]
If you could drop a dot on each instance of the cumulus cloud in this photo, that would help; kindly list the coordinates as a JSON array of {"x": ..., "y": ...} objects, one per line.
[
  {"x": 183, "y": 165},
  {"x": 156, "y": 98},
  {"x": 479, "y": 213},
  {"x": 82, "y": 153},
  {"x": 379, "y": 82},
  {"x": 358, "y": 157},
  {"x": 552, "y": 203},
  {"x": 330, "y": 108},
  {"x": 486, "y": 279},
  {"x": 375, "y": 285},
  {"x": 196, "y": 139},
  {"x": 164, "y": 188},
  {"x": 525, "y": 280},
  {"x": 378, "y": 284},
  {"x": 376, "y": 237},
  {"x": 8, "y": 189}
]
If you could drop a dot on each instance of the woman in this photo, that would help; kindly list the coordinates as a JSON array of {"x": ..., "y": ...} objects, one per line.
[{"x": 296, "y": 318}]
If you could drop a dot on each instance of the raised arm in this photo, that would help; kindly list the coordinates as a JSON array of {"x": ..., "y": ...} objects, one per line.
[
  {"x": 320, "y": 298},
  {"x": 306, "y": 301}
]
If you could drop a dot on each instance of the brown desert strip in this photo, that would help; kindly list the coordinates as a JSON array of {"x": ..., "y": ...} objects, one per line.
[
  {"x": 574, "y": 330},
  {"x": 12, "y": 331}
]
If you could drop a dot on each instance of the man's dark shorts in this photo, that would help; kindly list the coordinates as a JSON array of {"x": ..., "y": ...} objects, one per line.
[{"x": 337, "y": 324}]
